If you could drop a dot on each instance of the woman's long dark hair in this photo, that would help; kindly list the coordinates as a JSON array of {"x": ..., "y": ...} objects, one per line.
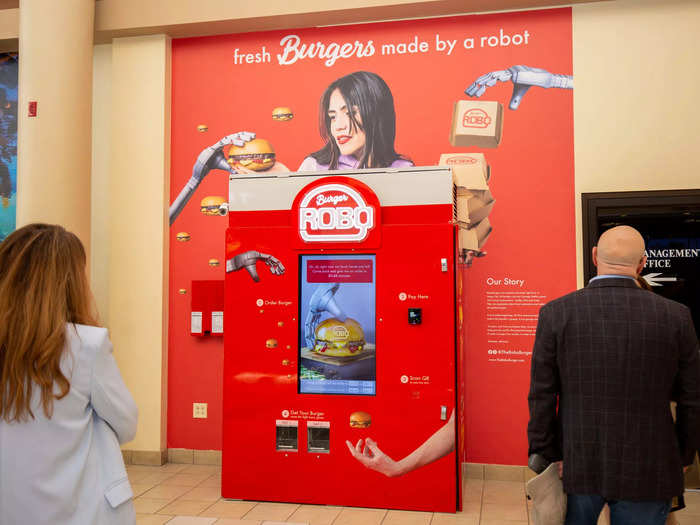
[{"x": 373, "y": 99}]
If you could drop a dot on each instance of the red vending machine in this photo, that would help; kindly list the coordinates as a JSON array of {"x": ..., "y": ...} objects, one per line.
[{"x": 340, "y": 367}]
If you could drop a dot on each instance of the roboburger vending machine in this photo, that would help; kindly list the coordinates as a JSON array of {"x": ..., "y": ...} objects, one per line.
[{"x": 340, "y": 301}]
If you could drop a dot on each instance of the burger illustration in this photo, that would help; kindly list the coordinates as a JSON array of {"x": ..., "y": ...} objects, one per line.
[
  {"x": 282, "y": 113},
  {"x": 360, "y": 419},
  {"x": 214, "y": 262},
  {"x": 213, "y": 205},
  {"x": 202, "y": 128},
  {"x": 339, "y": 339},
  {"x": 256, "y": 155},
  {"x": 182, "y": 291},
  {"x": 271, "y": 343},
  {"x": 183, "y": 236}
]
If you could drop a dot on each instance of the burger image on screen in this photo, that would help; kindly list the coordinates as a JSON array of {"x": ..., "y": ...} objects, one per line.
[
  {"x": 360, "y": 420},
  {"x": 256, "y": 155},
  {"x": 202, "y": 128},
  {"x": 213, "y": 205},
  {"x": 214, "y": 262},
  {"x": 183, "y": 236},
  {"x": 282, "y": 113},
  {"x": 339, "y": 339}
]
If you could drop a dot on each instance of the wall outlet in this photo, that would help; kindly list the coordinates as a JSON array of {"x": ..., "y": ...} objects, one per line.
[{"x": 199, "y": 410}]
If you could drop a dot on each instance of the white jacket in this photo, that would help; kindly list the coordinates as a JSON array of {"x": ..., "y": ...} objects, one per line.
[{"x": 68, "y": 470}]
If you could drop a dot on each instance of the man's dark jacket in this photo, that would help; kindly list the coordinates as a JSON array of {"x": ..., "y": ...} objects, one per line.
[{"x": 607, "y": 361}]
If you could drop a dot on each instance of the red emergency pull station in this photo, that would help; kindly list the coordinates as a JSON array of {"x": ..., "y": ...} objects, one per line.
[
  {"x": 207, "y": 312},
  {"x": 32, "y": 108}
]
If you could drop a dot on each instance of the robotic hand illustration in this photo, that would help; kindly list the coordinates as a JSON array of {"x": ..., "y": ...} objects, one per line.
[
  {"x": 210, "y": 158},
  {"x": 321, "y": 301},
  {"x": 248, "y": 261},
  {"x": 523, "y": 77},
  {"x": 468, "y": 256}
]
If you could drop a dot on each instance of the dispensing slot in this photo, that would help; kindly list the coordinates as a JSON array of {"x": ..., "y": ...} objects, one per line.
[
  {"x": 287, "y": 435},
  {"x": 319, "y": 437}
]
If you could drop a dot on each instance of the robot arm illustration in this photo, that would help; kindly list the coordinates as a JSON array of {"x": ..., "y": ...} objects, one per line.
[
  {"x": 209, "y": 159},
  {"x": 321, "y": 301},
  {"x": 523, "y": 77},
  {"x": 468, "y": 256},
  {"x": 248, "y": 261}
]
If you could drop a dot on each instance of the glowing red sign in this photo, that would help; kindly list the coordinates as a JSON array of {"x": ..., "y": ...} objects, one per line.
[{"x": 333, "y": 210}]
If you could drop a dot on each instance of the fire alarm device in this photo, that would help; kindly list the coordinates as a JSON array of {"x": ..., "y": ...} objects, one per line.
[{"x": 32, "y": 108}]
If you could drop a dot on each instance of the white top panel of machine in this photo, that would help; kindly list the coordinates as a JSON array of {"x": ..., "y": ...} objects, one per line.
[{"x": 393, "y": 187}]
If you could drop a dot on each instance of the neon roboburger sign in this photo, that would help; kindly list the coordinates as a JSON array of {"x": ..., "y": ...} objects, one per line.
[{"x": 335, "y": 211}]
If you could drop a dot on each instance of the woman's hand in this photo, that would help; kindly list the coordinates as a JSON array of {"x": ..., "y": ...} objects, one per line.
[{"x": 371, "y": 456}]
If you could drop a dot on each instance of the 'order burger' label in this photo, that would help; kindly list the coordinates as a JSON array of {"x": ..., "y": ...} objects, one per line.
[{"x": 335, "y": 212}]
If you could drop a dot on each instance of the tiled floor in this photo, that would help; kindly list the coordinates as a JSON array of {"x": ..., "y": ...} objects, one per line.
[{"x": 179, "y": 494}]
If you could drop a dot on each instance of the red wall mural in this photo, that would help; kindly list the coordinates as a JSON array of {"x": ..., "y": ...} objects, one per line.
[{"x": 227, "y": 84}]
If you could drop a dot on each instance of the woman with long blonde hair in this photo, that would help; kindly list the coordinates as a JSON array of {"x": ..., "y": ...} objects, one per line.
[{"x": 64, "y": 407}]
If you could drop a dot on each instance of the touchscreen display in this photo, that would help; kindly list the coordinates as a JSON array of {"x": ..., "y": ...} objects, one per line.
[{"x": 337, "y": 325}]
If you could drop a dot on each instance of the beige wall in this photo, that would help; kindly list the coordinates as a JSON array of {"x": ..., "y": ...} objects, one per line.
[
  {"x": 636, "y": 127},
  {"x": 120, "y": 18},
  {"x": 138, "y": 226},
  {"x": 101, "y": 151},
  {"x": 636, "y": 110}
]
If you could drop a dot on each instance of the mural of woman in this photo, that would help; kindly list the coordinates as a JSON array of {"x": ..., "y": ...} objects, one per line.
[{"x": 357, "y": 121}]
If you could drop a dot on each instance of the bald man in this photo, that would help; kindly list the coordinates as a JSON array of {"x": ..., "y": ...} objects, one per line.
[{"x": 605, "y": 362}]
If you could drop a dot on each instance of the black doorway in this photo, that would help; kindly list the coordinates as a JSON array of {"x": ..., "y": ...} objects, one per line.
[
  {"x": 670, "y": 224},
  {"x": 669, "y": 221}
]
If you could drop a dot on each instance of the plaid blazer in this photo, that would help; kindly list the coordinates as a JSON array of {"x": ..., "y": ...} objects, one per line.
[{"x": 607, "y": 361}]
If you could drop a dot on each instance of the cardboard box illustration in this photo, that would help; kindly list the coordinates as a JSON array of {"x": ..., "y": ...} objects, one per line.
[
  {"x": 469, "y": 170},
  {"x": 470, "y": 174},
  {"x": 473, "y": 206},
  {"x": 475, "y": 237},
  {"x": 477, "y": 123}
]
